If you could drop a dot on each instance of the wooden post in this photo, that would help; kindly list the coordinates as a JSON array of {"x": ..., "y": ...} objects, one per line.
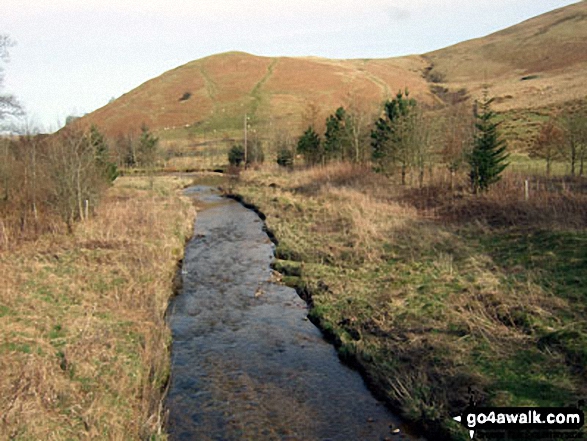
[
  {"x": 87, "y": 208},
  {"x": 526, "y": 190}
]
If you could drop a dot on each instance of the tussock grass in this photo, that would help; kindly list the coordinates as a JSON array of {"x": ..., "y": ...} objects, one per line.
[
  {"x": 432, "y": 293},
  {"x": 84, "y": 345}
]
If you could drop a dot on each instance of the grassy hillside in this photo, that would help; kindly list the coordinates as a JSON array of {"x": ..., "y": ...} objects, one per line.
[
  {"x": 542, "y": 61},
  {"x": 213, "y": 94},
  {"x": 537, "y": 64}
]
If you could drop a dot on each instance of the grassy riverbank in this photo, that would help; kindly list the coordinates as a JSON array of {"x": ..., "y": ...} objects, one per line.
[
  {"x": 83, "y": 340},
  {"x": 436, "y": 295}
]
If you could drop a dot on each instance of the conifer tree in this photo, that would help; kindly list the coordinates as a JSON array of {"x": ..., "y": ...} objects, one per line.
[
  {"x": 236, "y": 155},
  {"x": 488, "y": 156},
  {"x": 100, "y": 147},
  {"x": 334, "y": 138},
  {"x": 391, "y": 137},
  {"x": 310, "y": 146},
  {"x": 147, "y": 149}
]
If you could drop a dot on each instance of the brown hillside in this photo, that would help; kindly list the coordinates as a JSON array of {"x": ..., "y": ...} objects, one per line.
[
  {"x": 222, "y": 88},
  {"x": 539, "y": 63}
]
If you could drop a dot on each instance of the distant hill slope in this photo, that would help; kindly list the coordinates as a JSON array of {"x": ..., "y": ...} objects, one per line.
[
  {"x": 214, "y": 93},
  {"x": 538, "y": 63}
]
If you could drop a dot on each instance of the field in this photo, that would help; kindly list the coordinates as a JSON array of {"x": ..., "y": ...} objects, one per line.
[
  {"x": 84, "y": 344},
  {"x": 437, "y": 296}
]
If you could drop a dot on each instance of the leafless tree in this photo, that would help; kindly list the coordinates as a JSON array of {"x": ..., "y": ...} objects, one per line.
[
  {"x": 549, "y": 143},
  {"x": 75, "y": 175},
  {"x": 359, "y": 115},
  {"x": 574, "y": 125},
  {"x": 9, "y": 105},
  {"x": 456, "y": 130}
]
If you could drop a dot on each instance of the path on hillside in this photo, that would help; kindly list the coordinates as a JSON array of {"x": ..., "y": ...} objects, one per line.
[
  {"x": 246, "y": 362},
  {"x": 256, "y": 93}
]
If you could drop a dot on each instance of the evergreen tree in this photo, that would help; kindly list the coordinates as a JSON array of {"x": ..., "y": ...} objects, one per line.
[
  {"x": 236, "y": 155},
  {"x": 334, "y": 138},
  {"x": 285, "y": 157},
  {"x": 102, "y": 154},
  {"x": 488, "y": 157},
  {"x": 310, "y": 146},
  {"x": 147, "y": 148},
  {"x": 391, "y": 138}
]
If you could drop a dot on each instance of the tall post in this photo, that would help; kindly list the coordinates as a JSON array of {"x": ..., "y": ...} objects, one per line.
[
  {"x": 526, "y": 190},
  {"x": 245, "y": 139}
]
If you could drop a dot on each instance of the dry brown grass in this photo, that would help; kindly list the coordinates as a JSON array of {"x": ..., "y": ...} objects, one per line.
[
  {"x": 225, "y": 86},
  {"x": 550, "y": 49},
  {"x": 550, "y": 203},
  {"x": 84, "y": 343}
]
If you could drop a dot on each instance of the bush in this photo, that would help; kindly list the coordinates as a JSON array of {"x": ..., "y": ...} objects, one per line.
[
  {"x": 236, "y": 155},
  {"x": 285, "y": 158}
]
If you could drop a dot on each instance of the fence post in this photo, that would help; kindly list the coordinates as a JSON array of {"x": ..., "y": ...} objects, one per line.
[{"x": 526, "y": 190}]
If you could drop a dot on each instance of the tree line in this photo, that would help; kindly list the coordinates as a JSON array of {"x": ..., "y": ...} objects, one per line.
[
  {"x": 563, "y": 137},
  {"x": 407, "y": 138},
  {"x": 64, "y": 175}
]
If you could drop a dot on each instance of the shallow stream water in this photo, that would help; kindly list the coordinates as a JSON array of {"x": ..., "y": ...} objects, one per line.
[{"x": 246, "y": 362}]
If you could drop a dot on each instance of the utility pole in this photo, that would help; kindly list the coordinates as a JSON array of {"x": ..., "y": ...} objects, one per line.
[{"x": 245, "y": 140}]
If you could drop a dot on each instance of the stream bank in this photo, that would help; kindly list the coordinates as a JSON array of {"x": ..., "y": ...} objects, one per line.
[{"x": 246, "y": 361}]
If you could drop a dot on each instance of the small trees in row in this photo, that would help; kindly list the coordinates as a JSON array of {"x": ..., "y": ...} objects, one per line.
[
  {"x": 407, "y": 137},
  {"x": 133, "y": 153},
  {"x": 64, "y": 174},
  {"x": 563, "y": 138}
]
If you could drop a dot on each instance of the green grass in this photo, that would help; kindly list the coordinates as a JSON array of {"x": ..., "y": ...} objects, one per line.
[
  {"x": 522, "y": 163},
  {"x": 557, "y": 260}
]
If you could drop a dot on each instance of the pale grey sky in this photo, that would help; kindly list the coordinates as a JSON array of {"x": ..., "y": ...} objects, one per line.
[{"x": 73, "y": 56}]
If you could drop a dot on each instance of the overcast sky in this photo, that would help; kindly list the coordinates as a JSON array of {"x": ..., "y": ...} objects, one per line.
[{"x": 73, "y": 56}]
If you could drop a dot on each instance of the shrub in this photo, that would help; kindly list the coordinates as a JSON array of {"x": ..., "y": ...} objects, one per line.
[
  {"x": 285, "y": 158},
  {"x": 236, "y": 155}
]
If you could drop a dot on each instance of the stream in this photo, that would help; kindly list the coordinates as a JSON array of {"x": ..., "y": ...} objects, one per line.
[{"x": 246, "y": 362}]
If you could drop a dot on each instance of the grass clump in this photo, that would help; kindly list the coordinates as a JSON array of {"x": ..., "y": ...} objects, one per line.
[
  {"x": 84, "y": 344},
  {"x": 435, "y": 298}
]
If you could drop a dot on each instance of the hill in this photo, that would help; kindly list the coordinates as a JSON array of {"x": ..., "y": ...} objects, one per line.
[
  {"x": 214, "y": 93},
  {"x": 539, "y": 62},
  {"x": 530, "y": 68}
]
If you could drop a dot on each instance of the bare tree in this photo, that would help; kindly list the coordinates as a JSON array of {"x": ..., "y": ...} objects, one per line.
[
  {"x": 75, "y": 175},
  {"x": 574, "y": 125},
  {"x": 548, "y": 145},
  {"x": 359, "y": 115},
  {"x": 457, "y": 131},
  {"x": 9, "y": 105},
  {"x": 422, "y": 139},
  {"x": 312, "y": 116},
  {"x": 29, "y": 143}
]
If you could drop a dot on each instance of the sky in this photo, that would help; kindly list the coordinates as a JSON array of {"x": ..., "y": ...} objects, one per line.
[{"x": 73, "y": 56}]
